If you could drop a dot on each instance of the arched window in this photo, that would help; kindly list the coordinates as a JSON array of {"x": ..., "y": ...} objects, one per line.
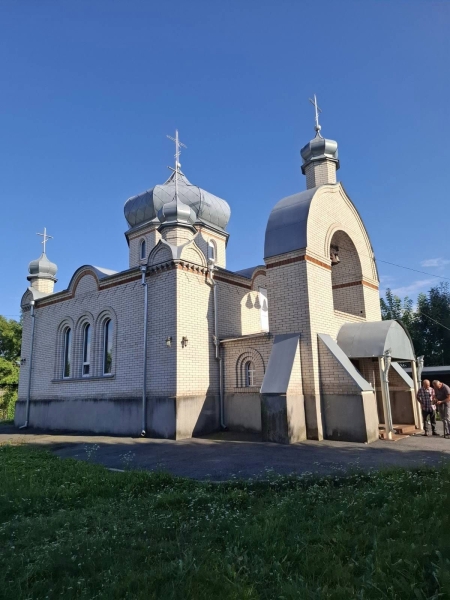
[
  {"x": 143, "y": 250},
  {"x": 86, "y": 350},
  {"x": 107, "y": 347},
  {"x": 212, "y": 250},
  {"x": 249, "y": 371},
  {"x": 67, "y": 352}
]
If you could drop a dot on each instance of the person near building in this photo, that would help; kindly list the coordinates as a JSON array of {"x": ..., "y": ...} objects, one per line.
[
  {"x": 442, "y": 392},
  {"x": 427, "y": 399}
]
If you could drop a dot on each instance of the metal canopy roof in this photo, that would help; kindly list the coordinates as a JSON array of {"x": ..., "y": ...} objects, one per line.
[{"x": 364, "y": 340}]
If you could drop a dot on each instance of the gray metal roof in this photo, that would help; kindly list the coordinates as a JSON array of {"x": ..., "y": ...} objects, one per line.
[
  {"x": 372, "y": 339},
  {"x": 208, "y": 209},
  {"x": 248, "y": 273},
  {"x": 287, "y": 224},
  {"x": 42, "y": 267},
  {"x": 278, "y": 373},
  {"x": 319, "y": 149}
]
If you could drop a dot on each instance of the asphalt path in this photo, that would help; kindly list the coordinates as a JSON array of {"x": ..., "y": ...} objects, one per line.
[{"x": 223, "y": 456}]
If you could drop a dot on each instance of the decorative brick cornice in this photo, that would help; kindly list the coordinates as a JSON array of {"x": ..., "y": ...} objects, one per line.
[
  {"x": 303, "y": 257},
  {"x": 353, "y": 283}
]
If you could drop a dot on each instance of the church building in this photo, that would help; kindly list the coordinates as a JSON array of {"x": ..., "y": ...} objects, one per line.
[{"x": 178, "y": 346}]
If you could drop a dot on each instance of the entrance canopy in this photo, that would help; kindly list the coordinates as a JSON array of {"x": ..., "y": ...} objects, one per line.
[{"x": 367, "y": 340}]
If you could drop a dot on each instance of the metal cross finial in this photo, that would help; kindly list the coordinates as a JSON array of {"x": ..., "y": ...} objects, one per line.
[
  {"x": 317, "y": 111},
  {"x": 45, "y": 237},
  {"x": 177, "y": 171}
]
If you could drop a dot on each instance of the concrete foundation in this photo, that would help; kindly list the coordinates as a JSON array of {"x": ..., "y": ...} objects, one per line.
[
  {"x": 283, "y": 418},
  {"x": 243, "y": 412},
  {"x": 350, "y": 418},
  {"x": 171, "y": 418}
]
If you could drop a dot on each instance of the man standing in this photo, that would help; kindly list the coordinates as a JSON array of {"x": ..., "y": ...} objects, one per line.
[
  {"x": 426, "y": 397},
  {"x": 443, "y": 403}
]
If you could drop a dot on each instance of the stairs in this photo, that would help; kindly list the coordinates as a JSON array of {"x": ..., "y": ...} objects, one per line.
[{"x": 400, "y": 432}]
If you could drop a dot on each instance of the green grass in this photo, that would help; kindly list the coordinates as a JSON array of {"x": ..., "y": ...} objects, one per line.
[{"x": 71, "y": 529}]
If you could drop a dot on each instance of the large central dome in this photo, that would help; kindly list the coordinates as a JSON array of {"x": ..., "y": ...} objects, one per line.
[{"x": 209, "y": 209}]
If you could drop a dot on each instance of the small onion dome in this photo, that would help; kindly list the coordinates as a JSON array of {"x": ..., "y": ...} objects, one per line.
[
  {"x": 176, "y": 212},
  {"x": 319, "y": 149},
  {"x": 42, "y": 268},
  {"x": 208, "y": 209}
]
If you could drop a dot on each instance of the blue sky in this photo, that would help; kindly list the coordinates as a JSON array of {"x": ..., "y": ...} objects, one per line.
[{"x": 91, "y": 88}]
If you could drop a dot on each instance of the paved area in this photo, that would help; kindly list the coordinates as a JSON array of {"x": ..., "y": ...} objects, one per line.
[{"x": 221, "y": 456}]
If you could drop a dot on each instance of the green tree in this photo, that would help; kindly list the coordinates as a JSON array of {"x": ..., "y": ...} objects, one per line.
[
  {"x": 432, "y": 325},
  {"x": 393, "y": 307},
  {"x": 10, "y": 339},
  {"x": 10, "y": 342}
]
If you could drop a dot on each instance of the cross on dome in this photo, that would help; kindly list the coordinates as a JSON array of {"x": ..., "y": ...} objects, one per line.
[
  {"x": 45, "y": 237},
  {"x": 317, "y": 111}
]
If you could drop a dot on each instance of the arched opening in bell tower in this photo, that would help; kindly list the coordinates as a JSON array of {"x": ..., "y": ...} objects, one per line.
[{"x": 346, "y": 275}]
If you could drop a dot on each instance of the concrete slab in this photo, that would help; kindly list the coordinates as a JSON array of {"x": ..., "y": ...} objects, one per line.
[{"x": 222, "y": 456}]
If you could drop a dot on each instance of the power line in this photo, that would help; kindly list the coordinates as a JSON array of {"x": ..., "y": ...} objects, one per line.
[
  {"x": 434, "y": 320},
  {"x": 392, "y": 264},
  {"x": 410, "y": 269}
]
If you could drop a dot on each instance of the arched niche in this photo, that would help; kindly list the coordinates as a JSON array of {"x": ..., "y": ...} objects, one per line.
[{"x": 346, "y": 275}]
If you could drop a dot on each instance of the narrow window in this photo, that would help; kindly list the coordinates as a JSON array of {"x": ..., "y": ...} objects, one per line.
[
  {"x": 108, "y": 347},
  {"x": 249, "y": 374},
  {"x": 212, "y": 250},
  {"x": 86, "y": 350},
  {"x": 67, "y": 352},
  {"x": 143, "y": 250}
]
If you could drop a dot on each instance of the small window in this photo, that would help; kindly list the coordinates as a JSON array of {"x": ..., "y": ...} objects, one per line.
[
  {"x": 86, "y": 350},
  {"x": 67, "y": 352},
  {"x": 249, "y": 374},
  {"x": 143, "y": 250},
  {"x": 212, "y": 250},
  {"x": 108, "y": 347}
]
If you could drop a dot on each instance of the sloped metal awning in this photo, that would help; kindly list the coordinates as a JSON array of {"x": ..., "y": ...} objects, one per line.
[{"x": 369, "y": 340}]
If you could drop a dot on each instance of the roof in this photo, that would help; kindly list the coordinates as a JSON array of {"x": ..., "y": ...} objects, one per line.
[
  {"x": 248, "y": 273},
  {"x": 278, "y": 374},
  {"x": 208, "y": 209},
  {"x": 287, "y": 224},
  {"x": 372, "y": 339},
  {"x": 443, "y": 369}
]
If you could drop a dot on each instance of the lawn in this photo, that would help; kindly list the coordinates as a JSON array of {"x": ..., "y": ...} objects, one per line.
[{"x": 72, "y": 529}]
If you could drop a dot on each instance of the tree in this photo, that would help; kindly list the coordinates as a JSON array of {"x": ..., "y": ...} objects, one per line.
[
  {"x": 10, "y": 339},
  {"x": 432, "y": 325},
  {"x": 10, "y": 342},
  {"x": 428, "y": 324},
  {"x": 394, "y": 307}
]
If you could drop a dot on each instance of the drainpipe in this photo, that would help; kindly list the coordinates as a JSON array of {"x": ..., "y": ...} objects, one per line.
[
  {"x": 217, "y": 344},
  {"x": 144, "y": 380},
  {"x": 27, "y": 412}
]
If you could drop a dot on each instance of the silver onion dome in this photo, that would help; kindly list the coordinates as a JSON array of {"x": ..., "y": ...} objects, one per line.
[
  {"x": 319, "y": 149},
  {"x": 206, "y": 207},
  {"x": 42, "y": 268}
]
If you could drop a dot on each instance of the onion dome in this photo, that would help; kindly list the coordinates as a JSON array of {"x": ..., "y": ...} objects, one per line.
[
  {"x": 319, "y": 149},
  {"x": 42, "y": 268},
  {"x": 176, "y": 212},
  {"x": 206, "y": 207}
]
